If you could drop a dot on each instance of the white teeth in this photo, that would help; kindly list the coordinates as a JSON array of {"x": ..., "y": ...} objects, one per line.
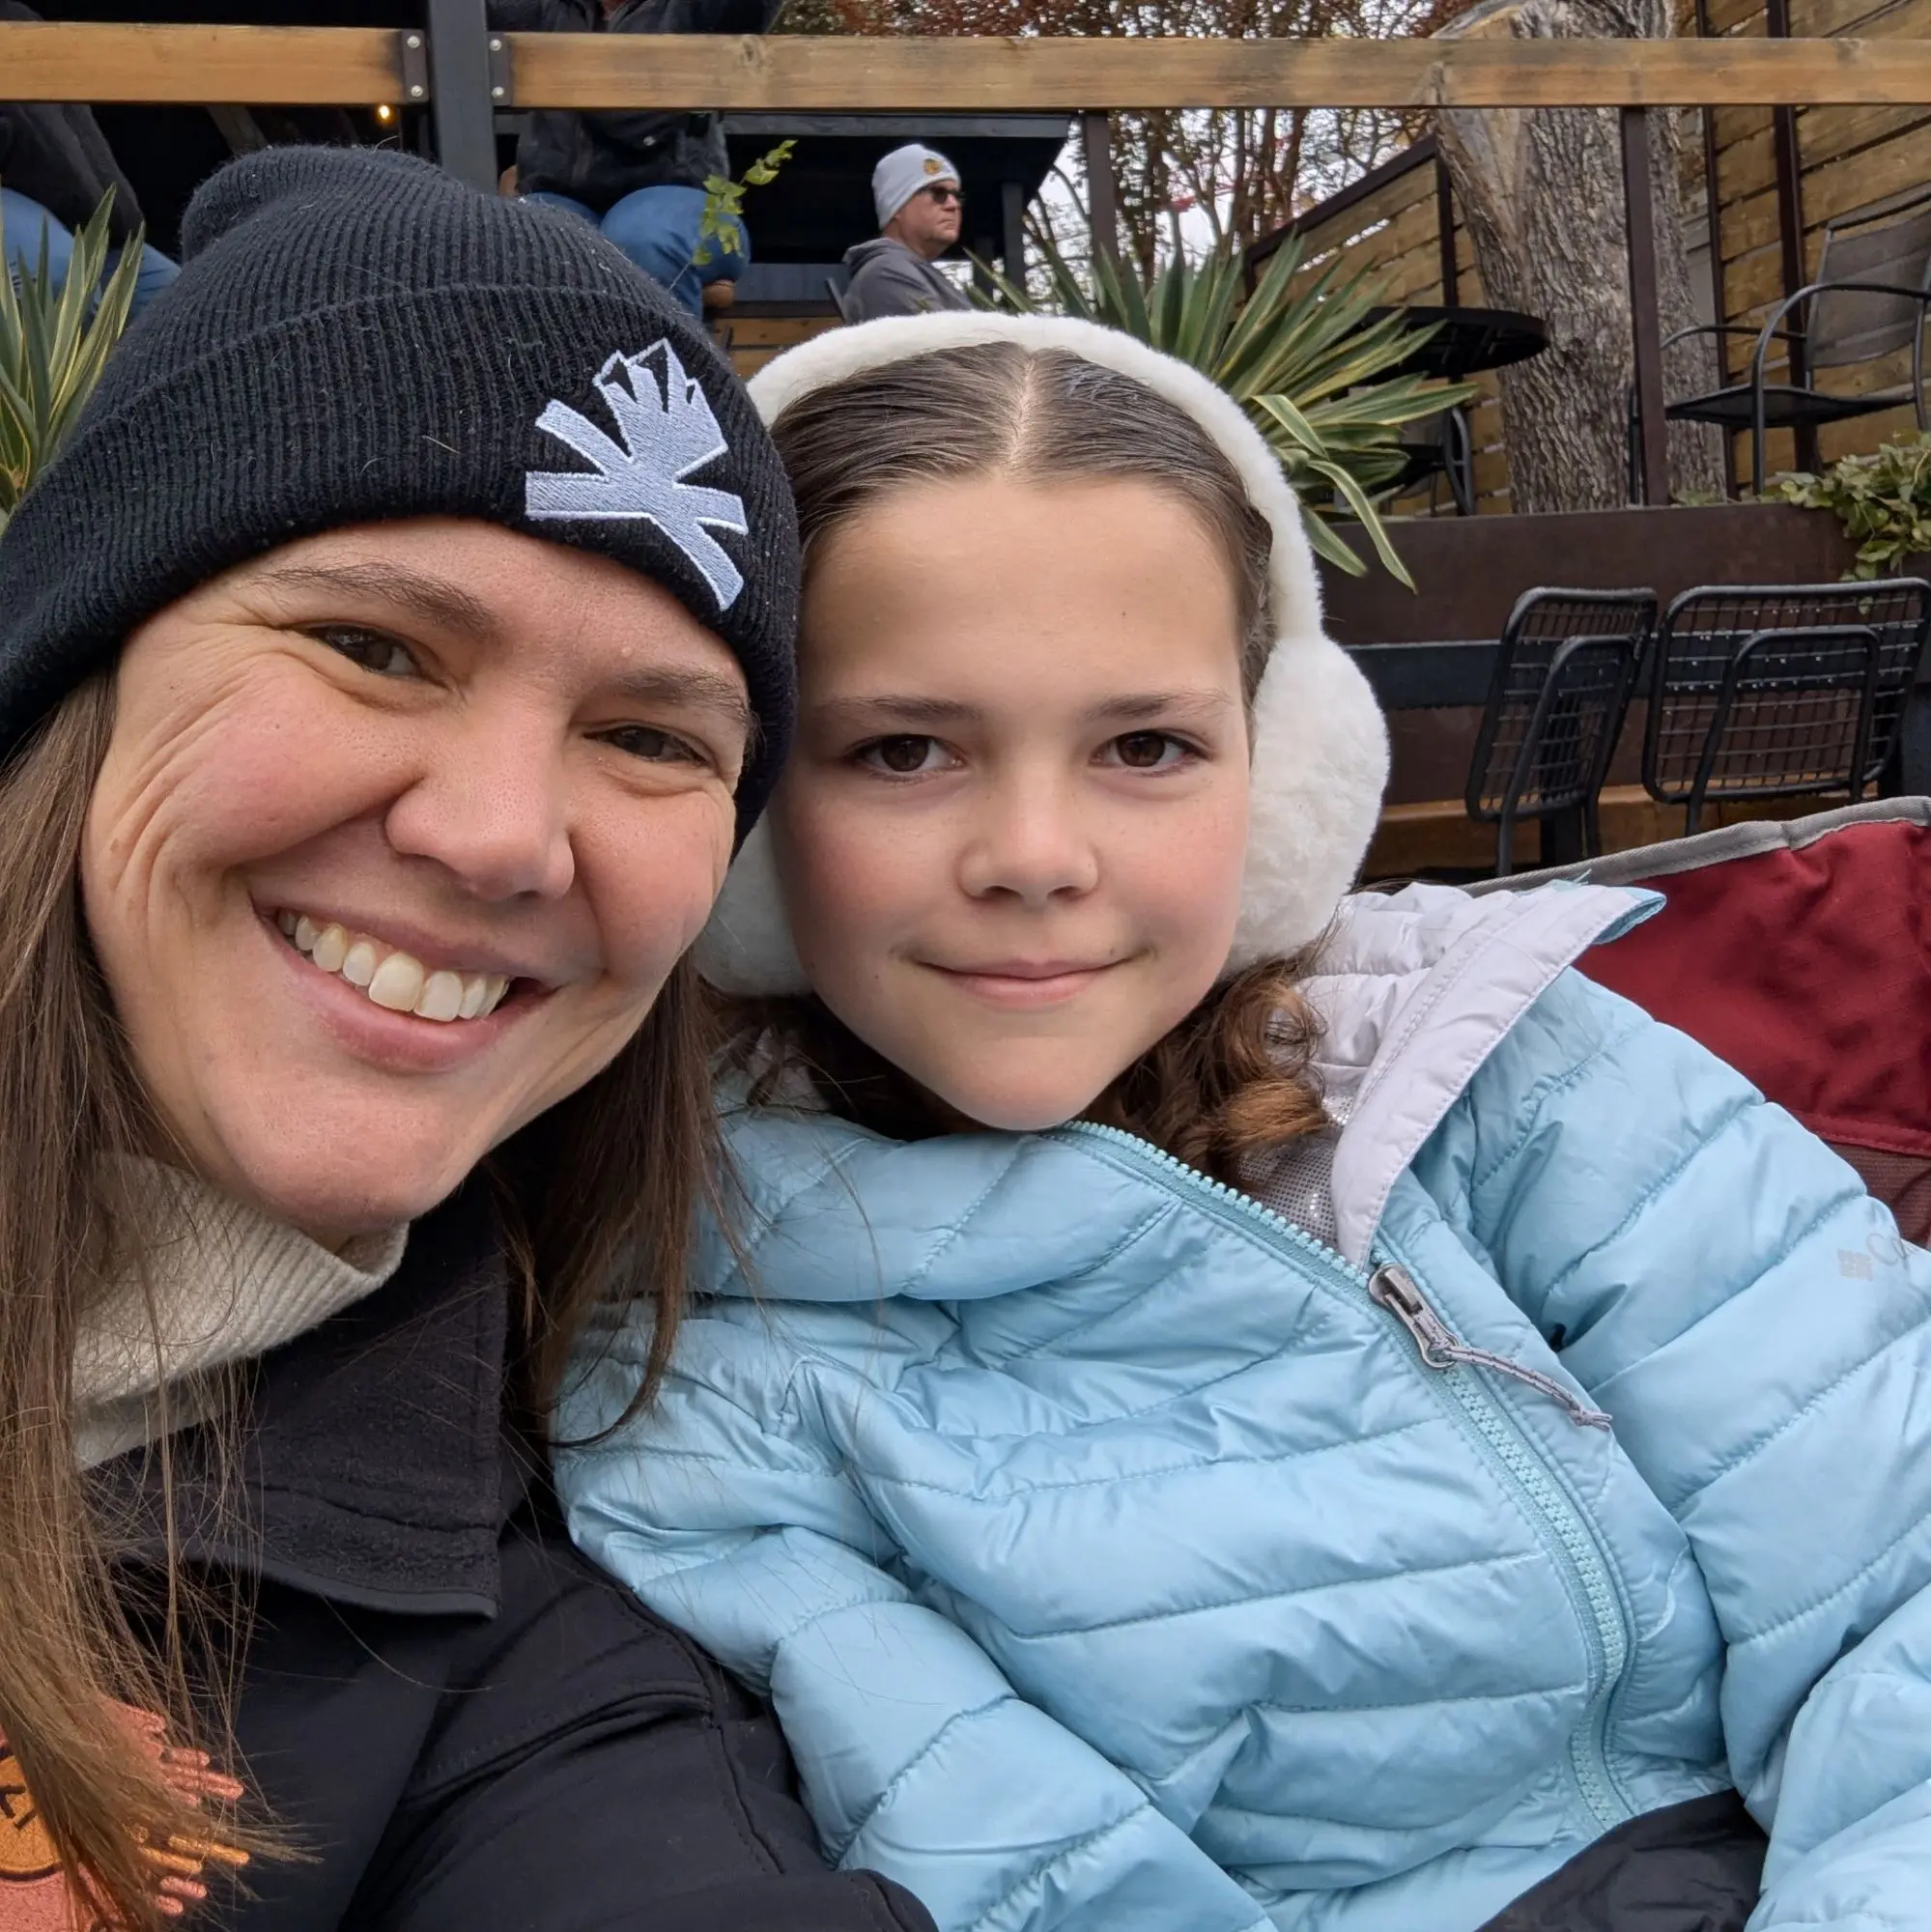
[
  {"x": 330, "y": 950},
  {"x": 398, "y": 984},
  {"x": 394, "y": 979},
  {"x": 440, "y": 998}
]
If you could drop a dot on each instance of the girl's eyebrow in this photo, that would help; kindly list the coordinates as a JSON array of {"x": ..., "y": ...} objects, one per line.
[
  {"x": 1132, "y": 706},
  {"x": 1128, "y": 707},
  {"x": 898, "y": 707}
]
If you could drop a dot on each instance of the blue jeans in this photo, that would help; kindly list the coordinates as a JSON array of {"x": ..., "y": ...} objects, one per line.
[
  {"x": 657, "y": 228},
  {"x": 25, "y": 221}
]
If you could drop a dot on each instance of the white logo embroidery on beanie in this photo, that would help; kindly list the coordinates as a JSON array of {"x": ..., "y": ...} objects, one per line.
[{"x": 668, "y": 432}]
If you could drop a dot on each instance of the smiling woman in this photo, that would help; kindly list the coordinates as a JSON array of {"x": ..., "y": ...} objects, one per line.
[{"x": 368, "y": 778}]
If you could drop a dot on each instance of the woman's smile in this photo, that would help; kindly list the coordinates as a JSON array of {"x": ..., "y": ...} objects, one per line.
[{"x": 353, "y": 830}]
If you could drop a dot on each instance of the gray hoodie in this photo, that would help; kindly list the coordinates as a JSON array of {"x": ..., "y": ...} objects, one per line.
[{"x": 888, "y": 278}]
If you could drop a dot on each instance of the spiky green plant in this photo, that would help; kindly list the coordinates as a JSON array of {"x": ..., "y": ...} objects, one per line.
[
  {"x": 54, "y": 343},
  {"x": 1310, "y": 365}
]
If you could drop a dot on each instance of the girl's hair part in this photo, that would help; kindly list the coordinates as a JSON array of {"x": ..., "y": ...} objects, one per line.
[
  {"x": 1037, "y": 416},
  {"x": 1236, "y": 1077}
]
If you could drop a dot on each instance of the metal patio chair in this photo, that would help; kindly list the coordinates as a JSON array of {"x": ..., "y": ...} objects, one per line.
[
  {"x": 1564, "y": 672},
  {"x": 1778, "y": 691},
  {"x": 1439, "y": 446},
  {"x": 1868, "y": 301}
]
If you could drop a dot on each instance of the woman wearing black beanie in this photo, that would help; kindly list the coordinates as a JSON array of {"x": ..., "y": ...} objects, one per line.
[{"x": 388, "y": 667}]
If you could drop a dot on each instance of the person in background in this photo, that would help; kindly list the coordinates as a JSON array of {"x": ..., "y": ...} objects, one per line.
[
  {"x": 637, "y": 175},
  {"x": 55, "y": 165},
  {"x": 920, "y": 206}
]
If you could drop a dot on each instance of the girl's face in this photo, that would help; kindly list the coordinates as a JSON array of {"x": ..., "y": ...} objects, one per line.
[
  {"x": 399, "y": 833},
  {"x": 1010, "y": 836}
]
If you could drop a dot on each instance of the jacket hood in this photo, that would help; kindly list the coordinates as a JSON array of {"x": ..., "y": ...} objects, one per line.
[
  {"x": 862, "y": 252},
  {"x": 1321, "y": 746}
]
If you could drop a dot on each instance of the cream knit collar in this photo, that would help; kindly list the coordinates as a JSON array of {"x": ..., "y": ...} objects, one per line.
[{"x": 228, "y": 1284}]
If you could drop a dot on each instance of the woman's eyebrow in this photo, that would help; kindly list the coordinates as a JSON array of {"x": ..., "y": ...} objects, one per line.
[
  {"x": 688, "y": 685},
  {"x": 433, "y": 599}
]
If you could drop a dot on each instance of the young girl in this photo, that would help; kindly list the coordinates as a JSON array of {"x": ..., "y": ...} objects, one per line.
[{"x": 1149, "y": 1426}]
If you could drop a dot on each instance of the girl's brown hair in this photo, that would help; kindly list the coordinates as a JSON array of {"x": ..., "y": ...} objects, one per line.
[
  {"x": 1233, "y": 1077},
  {"x": 616, "y": 1169}
]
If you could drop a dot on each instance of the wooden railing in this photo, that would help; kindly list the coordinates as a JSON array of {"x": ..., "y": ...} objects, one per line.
[
  {"x": 339, "y": 65},
  {"x": 464, "y": 73}
]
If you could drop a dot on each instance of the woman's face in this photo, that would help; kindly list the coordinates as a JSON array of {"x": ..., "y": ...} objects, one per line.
[
  {"x": 399, "y": 833},
  {"x": 1012, "y": 836}
]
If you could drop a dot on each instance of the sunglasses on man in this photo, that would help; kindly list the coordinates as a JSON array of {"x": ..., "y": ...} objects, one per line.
[{"x": 943, "y": 192}]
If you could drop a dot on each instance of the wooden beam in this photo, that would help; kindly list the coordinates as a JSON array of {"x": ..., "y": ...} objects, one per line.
[
  {"x": 786, "y": 71},
  {"x": 352, "y": 66},
  {"x": 294, "y": 67}
]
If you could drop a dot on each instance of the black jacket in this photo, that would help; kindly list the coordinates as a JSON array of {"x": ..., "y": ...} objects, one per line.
[
  {"x": 459, "y": 1719},
  {"x": 58, "y": 156},
  {"x": 598, "y": 158}
]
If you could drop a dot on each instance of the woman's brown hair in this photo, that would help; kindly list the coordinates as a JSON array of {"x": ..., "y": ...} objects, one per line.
[
  {"x": 1233, "y": 1077},
  {"x": 616, "y": 1169}
]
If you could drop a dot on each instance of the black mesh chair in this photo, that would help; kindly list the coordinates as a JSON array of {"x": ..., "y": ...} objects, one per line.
[
  {"x": 1778, "y": 691},
  {"x": 1868, "y": 301},
  {"x": 1557, "y": 697}
]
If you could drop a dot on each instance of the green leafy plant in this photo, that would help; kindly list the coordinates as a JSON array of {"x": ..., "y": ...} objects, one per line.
[
  {"x": 1310, "y": 365},
  {"x": 53, "y": 346},
  {"x": 721, "y": 225},
  {"x": 1882, "y": 499}
]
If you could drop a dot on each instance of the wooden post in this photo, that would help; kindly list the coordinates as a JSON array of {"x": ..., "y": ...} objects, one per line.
[
  {"x": 1102, "y": 186},
  {"x": 1639, "y": 212},
  {"x": 1789, "y": 165},
  {"x": 1012, "y": 230},
  {"x": 459, "y": 62},
  {"x": 1444, "y": 232}
]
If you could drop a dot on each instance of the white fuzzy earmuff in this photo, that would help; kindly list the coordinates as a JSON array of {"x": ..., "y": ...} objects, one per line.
[{"x": 1321, "y": 746}]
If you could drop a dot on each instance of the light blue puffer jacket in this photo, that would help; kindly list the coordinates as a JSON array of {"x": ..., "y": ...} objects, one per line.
[{"x": 1116, "y": 1563}]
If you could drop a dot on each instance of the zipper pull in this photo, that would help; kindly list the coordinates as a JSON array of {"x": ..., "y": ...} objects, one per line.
[{"x": 1394, "y": 1289}]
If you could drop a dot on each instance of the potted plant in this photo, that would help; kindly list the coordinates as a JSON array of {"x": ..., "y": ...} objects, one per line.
[
  {"x": 1883, "y": 500},
  {"x": 53, "y": 344}
]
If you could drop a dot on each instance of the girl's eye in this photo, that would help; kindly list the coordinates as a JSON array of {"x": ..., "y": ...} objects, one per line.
[
  {"x": 1148, "y": 750},
  {"x": 653, "y": 746},
  {"x": 903, "y": 757},
  {"x": 373, "y": 650}
]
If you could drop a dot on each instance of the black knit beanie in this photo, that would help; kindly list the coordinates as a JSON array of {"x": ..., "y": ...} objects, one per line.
[{"x": 357, "y": 335}]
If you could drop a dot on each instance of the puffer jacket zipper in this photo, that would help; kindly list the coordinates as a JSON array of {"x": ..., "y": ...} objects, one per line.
[
  {"x": 1394, "y": 1289},
  {"x": 1573, "y": 1543}
]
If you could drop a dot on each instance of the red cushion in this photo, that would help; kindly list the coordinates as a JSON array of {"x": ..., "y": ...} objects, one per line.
[{"x": 1809, "y": 971}]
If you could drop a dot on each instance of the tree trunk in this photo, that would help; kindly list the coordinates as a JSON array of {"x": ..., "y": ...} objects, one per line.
[{"x": 1542, "y": 194}]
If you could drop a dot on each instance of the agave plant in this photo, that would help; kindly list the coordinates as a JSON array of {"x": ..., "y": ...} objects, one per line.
[
  {"x": 53, "y": 344},
  {"x": 1310, "y": 365}
]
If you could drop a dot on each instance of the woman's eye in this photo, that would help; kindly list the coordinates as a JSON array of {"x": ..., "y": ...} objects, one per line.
[
  {"x": 373, "y": 650},
  {"x": 903, "y": 757},
  {"x": 654, "y": 746},
  {"x": 1148, "y": 750}
]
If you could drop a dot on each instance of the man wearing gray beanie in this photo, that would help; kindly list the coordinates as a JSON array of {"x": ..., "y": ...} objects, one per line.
[{"x": 921, "y": 207}]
